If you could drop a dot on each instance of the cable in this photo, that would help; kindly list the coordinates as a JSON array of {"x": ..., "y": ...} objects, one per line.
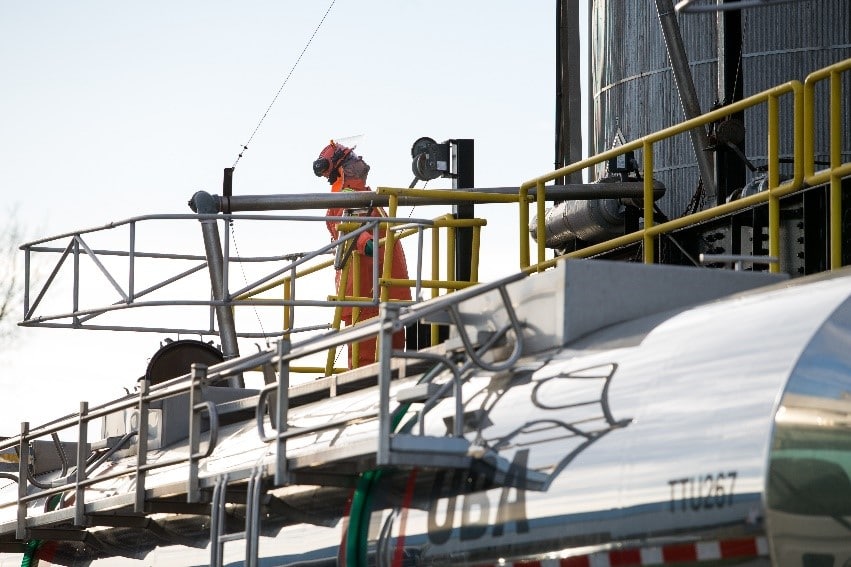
[
  {"x": 245, "y": 278},
  {"x": 286, "y": 79}
]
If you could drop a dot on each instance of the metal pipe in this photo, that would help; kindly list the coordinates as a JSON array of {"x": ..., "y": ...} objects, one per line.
[
  {"x": 685, "y": 86},
  {"x": 356, "y": 199},
  {"x": 204, "y": 203}
]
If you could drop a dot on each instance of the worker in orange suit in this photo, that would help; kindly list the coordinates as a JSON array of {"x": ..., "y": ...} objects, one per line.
[{"x": 346, "y": 171}]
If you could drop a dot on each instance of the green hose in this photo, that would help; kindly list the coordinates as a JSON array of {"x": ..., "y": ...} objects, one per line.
[
  {"x": 29, "y": 559},
  {"x": 357, "y": 535}
]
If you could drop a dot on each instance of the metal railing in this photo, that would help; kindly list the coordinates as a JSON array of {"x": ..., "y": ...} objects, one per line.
[
  {"x": 124, "y": 279},
  {"x": 802, "y": 126},
  {"x": 86, "y": 473}
]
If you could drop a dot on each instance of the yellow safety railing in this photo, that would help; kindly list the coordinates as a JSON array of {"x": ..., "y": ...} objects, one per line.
[
  {"x": 837, "y": 169},
  {"x": 803, "y": 173},
  {"x": 646, "y": 144},
  {"x": 443, "y": 228},
  {"x": 443, "y": 255}
]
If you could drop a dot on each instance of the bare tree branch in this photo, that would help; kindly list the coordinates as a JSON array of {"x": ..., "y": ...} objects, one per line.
[{"x": 11, "y": 290}]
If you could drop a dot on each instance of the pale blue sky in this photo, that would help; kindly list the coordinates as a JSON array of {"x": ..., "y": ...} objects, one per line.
[{"x": 115, "y": 109}]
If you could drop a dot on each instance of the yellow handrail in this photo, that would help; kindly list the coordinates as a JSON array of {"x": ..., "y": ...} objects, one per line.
[
  {"x": 801, "y": 129},
  {"x": 837, "y": 170},
  {"x": 802, "y": 161}
]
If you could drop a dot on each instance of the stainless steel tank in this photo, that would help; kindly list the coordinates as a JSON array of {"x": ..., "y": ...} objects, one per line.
[{"x": 718, "y": 432}]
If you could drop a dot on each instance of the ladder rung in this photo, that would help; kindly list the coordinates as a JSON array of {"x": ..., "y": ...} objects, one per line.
[{"x": 236, "y": 536}]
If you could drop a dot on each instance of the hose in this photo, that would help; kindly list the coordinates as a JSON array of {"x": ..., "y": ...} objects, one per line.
[
  {"x": 357, "y": 535},
  {"x": 30, "y": 559}
]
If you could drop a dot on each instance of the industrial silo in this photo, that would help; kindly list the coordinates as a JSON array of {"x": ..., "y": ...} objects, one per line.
[{"x": 633, "y": 89}]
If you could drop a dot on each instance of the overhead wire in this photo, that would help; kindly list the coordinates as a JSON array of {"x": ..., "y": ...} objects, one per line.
[
  {"x": 281, "y": 88},
  {"x": 260, "y": 123}
]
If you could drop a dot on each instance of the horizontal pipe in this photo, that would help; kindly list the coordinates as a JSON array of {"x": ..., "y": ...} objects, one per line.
[{"x": 627, "y": 189}]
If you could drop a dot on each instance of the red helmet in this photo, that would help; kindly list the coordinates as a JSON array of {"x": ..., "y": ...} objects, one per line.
[
  {"x": 337, "y": 160},
  {"x": 330, "y": 159}
]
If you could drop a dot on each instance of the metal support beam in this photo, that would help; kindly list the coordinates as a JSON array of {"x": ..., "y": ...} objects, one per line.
[
  {"x": 463, "y": 167},
  {"x": 568, "y": 88},
  {"x": 685, "y": 86},
  {"x": 730, "y": 169}
]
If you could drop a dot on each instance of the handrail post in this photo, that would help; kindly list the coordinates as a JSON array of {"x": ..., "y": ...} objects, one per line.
[
  {"x": 389, "y": 249},
  {"x": 450, "y": 253},
  {"x": 835, "y": 161},
  {"x": 809, "y": 128},
  {"x": 773, "y": 181},
  {"x": 141, "y": 446},
  {"x": 523, "y": 203},
  {"x": 354, "y": 272},
  {"x": 388, "y": 315},
  {"x": 338, "y": 314},
  {"x": 649, "y": 243},
  {"x": 23, "y": 473},
  {"x": 198, "y": 373},
  {"x": 75, "y": 301},
  {"x": 282, "y": 405},
  {"x": 798, "y": 128},
  {"x": 82, "y": 453},
  {"x": 474, "y": 256},
  {"x": 131, "y": 265},
  {"x": 541, "y": 209},
  {"x": 27, "y": 268},
  {"x": 434, "y": 331}
]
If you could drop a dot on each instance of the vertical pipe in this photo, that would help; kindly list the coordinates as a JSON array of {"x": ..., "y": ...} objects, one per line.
[
  {"x": 685, "y": 86},
  {"x": 224, "y": 314}
]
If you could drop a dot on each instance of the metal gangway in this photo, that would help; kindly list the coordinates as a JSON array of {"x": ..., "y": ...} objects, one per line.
[{"x": 63, "y": 486}]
